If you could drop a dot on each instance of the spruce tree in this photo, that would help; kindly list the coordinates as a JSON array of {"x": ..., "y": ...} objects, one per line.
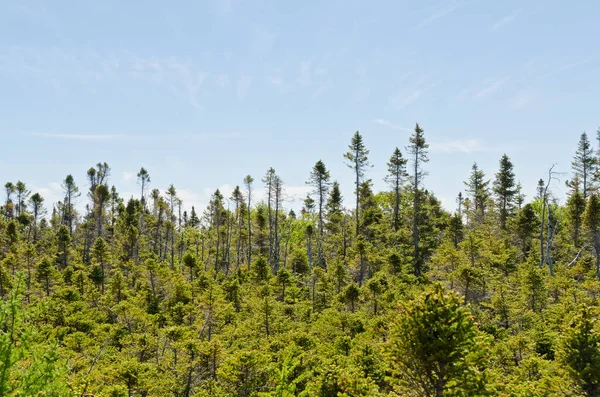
[
  {"x": 417, "y": 149},
  {"x": 143, "y": 179},
  {"x": 581, "y": 354},
  {"x": 319, "y": 180},
  {"x": 395, "y": 177},
  {"x": 591, "y": 220},
  {"x": 478, "y": 189},
  {"x": 584, "y": 164},
  {"x": 248, "y": 183},
  {"x": 433, "y": 347},
  {"x": 71, "y": 192},
  {"x": 357, "y": 159},
  {"x": 575, "y": 208},
  {"x": 505, "y": 190}
]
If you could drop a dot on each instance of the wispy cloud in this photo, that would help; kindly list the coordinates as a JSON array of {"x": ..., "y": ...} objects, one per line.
[
  {"x": 491, "y": 87},
  {"x": 457, "y": 146},
  {"x": 504, "y": 21},
  {"x": 52, "y": 193},
  {"x": 391, "y": 125},
  {"x": 83, "y": 137},
  {"x": 562, "y": 69},
  {"x": 180, "y": 76},
  {"x": 440, "y": 12},
  {"x": 404, "y": 99},
  {"x": 128, "y": 176},
  {"x": 521, "y": 100}
]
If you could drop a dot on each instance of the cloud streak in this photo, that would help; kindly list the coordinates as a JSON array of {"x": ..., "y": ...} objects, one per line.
[
  {"x": 504, "y": 21},
  {"x": 389, "y": 124},
  {"x": 458, "y": 146},
  {"x": 491, "y": 87},
  {"x": 521, "y": 100},
  {"x": 83, "y": 137},
  {"x": 440, "y": 13},
  {"x": 403, "y": 99}
]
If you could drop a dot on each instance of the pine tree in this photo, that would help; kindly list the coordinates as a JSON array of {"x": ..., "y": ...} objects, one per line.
[
  {"x": 248, "y": 183},
  {"x": 505, "y": 190},
  {"x": 194, "y": 220},
  {"x": 22, "y": 196},
  {"x": 575, "y": 208},
  {"x": 143, "y": 179},
  {"x": 478, "y": 189},
  {"x": 582, "y": 354},
  {"x": 320, "y": 182},
  {"x": 591, "y": 220},
  {"x": 357, "y": 159},
  {"x": 584, "y": 165},
  {"x": 417, "y": 148},
  {"x": 433, "y": 347},
  {"x": 9, "y": 188},
  {"x": 37, "y": 209},
  {"x": 334, "y": 209},
  {"x": 395, "y": 177}
]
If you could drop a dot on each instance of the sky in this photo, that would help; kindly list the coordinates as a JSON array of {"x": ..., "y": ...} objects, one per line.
[{"x": 202, "y": 93}]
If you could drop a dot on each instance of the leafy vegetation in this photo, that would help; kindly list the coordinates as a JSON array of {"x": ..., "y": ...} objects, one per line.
[{"x": 393, "y": 297}]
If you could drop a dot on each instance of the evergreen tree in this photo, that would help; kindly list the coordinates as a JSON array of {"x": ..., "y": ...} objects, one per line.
[
  {"x": 357, "y": 159},
  {"x": 582, "y": 354},
  {"x": 478, "y": 189},
  {"x": 22, "y": 196},
  {"x": 71, "y": 193},
  {"x": 575, "y": 208},
  {"x": 37, "y": 209},
  {"x": 320, "y": 182},
  {"x": 143, "y": 179},
  {"x": 591, "y": 220},
  {"x": 434, "y": 347},
  {"x": 417, "y": 148},
  {"x": 248, "y": 183},
  {"x": 395, "y": 177},
  {"x": 31, "y": 364},
  {"x": 334, "y": 209},
  {"x": 9, "y": 188},
  {"x": 505, "y": 190},
  {"x": 584, "y": 165}
]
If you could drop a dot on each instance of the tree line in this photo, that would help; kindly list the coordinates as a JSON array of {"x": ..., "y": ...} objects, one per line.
[{"x": 384, "y": 293}]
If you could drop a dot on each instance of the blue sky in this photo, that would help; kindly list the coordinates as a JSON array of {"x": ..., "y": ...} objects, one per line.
[{"x": 202, "y": 93}]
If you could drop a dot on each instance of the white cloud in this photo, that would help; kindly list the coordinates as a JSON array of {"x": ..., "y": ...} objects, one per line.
[
  {"x": 521, "y": 100},
  {"x": 296, "y": 193},
  {"x": 491, "y": 87},
  {"x": 391, "y": 125},
  {"x": 504, "y": 21},
  {"x": 52, "y": 193},
  {"x": 563, "y": 69},
  {"x": 128, "y": 176},
  {"x": 457, "y": 146},
  {"x": 181, "y": 77},
  {"x": 440, "y": 12},
  {"x": 83, "y": 137},
  {"x": 404, "y": 99}
]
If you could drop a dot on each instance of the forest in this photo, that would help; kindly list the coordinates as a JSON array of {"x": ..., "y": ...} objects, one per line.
[{"x": 384, "y": 293}]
